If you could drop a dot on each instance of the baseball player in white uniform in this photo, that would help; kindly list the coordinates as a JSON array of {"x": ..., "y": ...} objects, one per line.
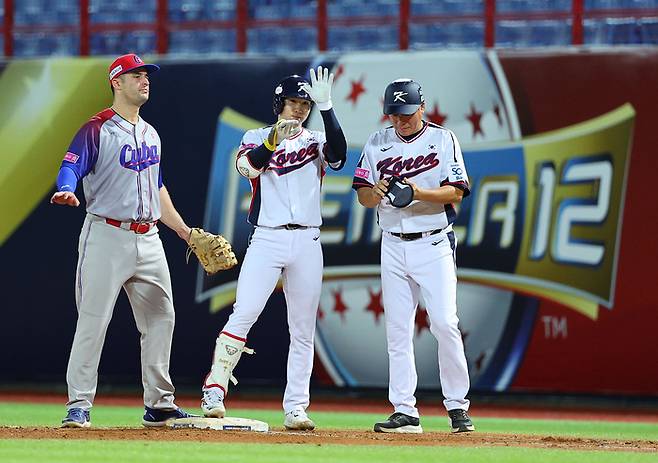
[
  {"x": 117, "y": 156},
  {"x": 285, "y": 164},
  {"x": 418, "y": 249}
]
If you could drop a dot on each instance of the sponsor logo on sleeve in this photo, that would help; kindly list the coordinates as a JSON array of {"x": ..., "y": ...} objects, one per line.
[
  {"x": 456, "y": 173},
  {"x": 361, "y": 173},
  {"x": 71, "y": 157}
]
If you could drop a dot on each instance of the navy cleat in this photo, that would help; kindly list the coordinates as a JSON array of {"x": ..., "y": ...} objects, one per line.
[
  {"x": 460, "y": 421},
  {"x": 400, "y": 423},
  {"x": 155, "y": 417},
  {"x": 77, "y": 418}
]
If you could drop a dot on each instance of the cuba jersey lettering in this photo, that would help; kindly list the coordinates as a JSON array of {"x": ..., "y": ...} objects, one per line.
[
  {"x": 288, "y": 190},
  {"x": 138, "y": 159},
  {"x": 120, "y": 166},
  {"x": 431, "y": 159}
]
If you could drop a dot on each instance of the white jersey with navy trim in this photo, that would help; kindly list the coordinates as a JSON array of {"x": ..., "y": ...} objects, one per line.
[
  {"x": 431, "y": 159},
  {"x": 288, "y": 190},
  {"x": 120, "y": 166}
]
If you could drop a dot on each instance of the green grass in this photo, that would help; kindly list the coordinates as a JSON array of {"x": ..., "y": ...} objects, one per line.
[
  {"x": 55, "y": 451},
  {"x": 42, "y": 451}
]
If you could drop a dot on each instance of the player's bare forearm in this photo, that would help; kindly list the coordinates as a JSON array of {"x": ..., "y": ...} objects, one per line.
[
  {"x": 370, "y": 197},
  {"x": 170, "y": 216},
  {"x": 443, "y": 195}
]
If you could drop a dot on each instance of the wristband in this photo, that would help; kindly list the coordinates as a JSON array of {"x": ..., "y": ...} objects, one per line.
[{"x": 268, "y": 145}]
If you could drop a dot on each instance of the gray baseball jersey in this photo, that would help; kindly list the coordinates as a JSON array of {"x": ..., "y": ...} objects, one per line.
[{"x": 120, "y": 166}]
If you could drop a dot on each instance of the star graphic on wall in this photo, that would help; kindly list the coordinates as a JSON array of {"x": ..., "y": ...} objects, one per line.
[
  {"x": 421, "y": 320},
  {"x": 499, "y": 116},
  {"x": 436, "y": 116},
  {"x": 474, "y": 117},
  {"x": 339, "y": 72},
  {"x": 375, "y": 305},
  {"x": 357, "y": 90},
  {"x": 339, "y": 305}
]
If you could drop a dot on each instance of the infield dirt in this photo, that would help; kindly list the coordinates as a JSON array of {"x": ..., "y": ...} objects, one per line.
[{"x": 333, "y": 437}]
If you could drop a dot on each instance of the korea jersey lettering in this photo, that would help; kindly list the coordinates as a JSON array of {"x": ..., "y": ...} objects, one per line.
[
  {"x": 431, "y": 159},
  {"x": 120, "y": 166},
  {"x": 288, "y": 190}
]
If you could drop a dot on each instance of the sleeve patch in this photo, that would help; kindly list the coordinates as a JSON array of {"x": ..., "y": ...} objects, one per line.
[
  {"x": 71, "y": 157},
  {"x": 361, "y": 173},
  {"x": 457, "y": 173}
]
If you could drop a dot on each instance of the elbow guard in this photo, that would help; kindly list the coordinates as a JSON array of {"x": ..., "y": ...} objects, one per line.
[{"x": 245, "y": 168}]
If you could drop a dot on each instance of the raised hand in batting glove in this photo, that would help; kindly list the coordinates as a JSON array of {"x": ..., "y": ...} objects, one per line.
[
  {"x": 283, "y": 129},
  {"x": 320, "y": 88}
]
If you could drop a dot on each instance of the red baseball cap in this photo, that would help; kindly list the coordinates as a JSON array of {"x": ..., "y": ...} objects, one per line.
[{"x": 127, "y": 63}]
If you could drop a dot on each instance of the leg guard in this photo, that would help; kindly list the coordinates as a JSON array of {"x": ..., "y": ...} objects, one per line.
[{"x": 228, "y": 350}]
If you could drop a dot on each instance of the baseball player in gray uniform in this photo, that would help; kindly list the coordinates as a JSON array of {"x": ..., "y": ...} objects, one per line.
[
  {"x": 285, "y": 164},
  {"x": 418, "y": 249},
  {"x": 117, "y": 156}
]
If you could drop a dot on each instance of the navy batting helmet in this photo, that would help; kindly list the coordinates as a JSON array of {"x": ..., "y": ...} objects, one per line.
[
  {"x": 290, "y": 87},
  {"x": 403, "y": 96}
]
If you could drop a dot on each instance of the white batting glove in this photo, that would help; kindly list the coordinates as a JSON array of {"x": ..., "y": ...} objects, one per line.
[
  {"x": 287, "y": 128},
  {"x": 320, "y": 88},
  {"x": 283, "y": 129}
]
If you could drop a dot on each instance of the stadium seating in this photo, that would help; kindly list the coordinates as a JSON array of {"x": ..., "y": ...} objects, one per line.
[{"x": 51, "y": 27}]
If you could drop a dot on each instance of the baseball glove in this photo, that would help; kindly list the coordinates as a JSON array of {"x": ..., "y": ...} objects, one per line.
[
  {"x": 399, "y": 193},
  {"x": 213, "y": 251}
]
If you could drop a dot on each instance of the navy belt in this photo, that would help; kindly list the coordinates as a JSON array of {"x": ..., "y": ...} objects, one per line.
[
  {"x": 288, "y": 226},
  {"x": 417, "y": 235}
]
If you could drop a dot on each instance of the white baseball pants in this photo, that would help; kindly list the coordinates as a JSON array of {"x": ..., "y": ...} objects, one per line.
[
  {"x": 111, "y": 258},
  {"x": 409, "y": 268},
  {"x": 296, "y": 256}
]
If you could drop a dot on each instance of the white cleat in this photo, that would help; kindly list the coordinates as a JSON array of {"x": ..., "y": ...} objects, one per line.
[
  {"x": 212, "y": 403},
  {"x": 298, "y": 420}
]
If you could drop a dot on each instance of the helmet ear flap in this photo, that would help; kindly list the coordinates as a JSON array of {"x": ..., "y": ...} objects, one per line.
[
  {"x": 277, "y": 100},
  {"x": 277, "y": 105}
]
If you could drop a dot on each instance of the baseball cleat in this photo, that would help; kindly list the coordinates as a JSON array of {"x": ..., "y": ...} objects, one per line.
[
  {"x": 77, "y": 418},
  {"x": 400, "y": 423},
  {"x": 212, "y": 403},
  {"x": 298, "y": 420},
  {"x": 155, "y": 417},
  {"x": 460, "y": 421}
]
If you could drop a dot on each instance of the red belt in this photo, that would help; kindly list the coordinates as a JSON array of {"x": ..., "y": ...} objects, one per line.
[{"x": 137, "y": 227}]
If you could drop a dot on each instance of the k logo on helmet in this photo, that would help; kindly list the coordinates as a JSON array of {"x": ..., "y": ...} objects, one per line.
[{"x": 399, "y": 95}]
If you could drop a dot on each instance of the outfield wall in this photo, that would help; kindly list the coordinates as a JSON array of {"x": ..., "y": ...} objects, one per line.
[{"x": 556, "y": 251}]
